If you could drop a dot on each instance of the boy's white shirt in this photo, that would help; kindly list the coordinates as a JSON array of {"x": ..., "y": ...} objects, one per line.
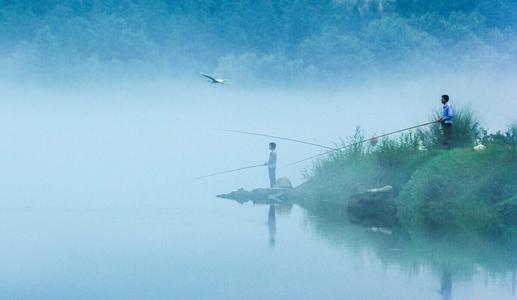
[{"x": 271, "y": 163}]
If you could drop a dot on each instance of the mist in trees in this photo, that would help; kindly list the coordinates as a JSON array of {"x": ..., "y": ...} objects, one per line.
[{"x": 265, "y": 41}]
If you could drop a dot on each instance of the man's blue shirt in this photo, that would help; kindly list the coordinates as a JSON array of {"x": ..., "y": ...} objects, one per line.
[{"x": 447, "y": 113}]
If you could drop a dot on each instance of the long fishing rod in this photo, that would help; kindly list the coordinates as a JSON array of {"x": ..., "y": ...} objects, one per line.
[
  {"x": 227, "y": 171},
  {"x": 357, "y": 143},
  {"x": 317, "y": 155},
  {"x": 276, "y": 137}
]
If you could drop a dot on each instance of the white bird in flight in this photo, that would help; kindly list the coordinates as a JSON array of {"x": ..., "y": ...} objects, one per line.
[{"x": 212, "y": 79}]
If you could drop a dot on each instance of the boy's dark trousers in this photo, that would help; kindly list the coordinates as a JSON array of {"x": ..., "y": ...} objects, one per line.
[
  {"x": 447, "y": 134},
  {"x": 272, "y": 177}
]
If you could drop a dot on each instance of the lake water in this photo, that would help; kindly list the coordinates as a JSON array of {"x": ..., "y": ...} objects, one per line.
[{"x": 97, "y": 203}]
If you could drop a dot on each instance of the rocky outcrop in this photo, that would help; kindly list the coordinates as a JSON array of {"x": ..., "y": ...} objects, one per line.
[
  {"x": 375, "y": 207},
  {"x": 259, "y": 196},
  {"x": 277, "y": 195}
]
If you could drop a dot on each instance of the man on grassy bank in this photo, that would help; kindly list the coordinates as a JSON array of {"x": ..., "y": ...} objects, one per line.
[
  {"x": 271, "y": 164},
  {"x": 446, "y": 121}
]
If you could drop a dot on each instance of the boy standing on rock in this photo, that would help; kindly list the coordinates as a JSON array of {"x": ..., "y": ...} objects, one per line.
[{"x": 271, "y": 164}]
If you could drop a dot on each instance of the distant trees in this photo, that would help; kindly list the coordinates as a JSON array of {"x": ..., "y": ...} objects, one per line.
[{"x": 301, "y": 38}]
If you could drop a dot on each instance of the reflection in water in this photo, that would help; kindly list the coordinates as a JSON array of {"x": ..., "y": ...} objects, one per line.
[
  {"x": 513, "y": 282},
  {"x": 446, "y": 285},
  {"x": 283, "y": 210},
  {"x": 271, "y": 222},
  {"x": 446, "y": 257}
]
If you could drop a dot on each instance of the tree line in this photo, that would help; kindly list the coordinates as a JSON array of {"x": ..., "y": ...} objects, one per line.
[{"x": 286, "y": 38}]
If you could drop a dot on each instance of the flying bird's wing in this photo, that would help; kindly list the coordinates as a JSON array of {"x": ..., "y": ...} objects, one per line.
[{"x": 209, "y": 77}]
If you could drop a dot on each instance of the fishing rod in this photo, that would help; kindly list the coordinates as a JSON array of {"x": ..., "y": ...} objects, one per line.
[
  {"x": 358, "y": 143},
  {"x": 313, "y": 156},
  {"x": 276, "y": 137},
  {"x": 227, "y": 171}
]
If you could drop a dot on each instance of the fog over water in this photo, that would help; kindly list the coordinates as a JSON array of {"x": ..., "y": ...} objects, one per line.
[
  {"x": 105, "y": 122},
  {"x": 97, "y": 201}
]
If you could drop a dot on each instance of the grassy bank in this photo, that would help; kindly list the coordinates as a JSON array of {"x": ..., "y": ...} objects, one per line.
[{"x": 456, "y": 189}]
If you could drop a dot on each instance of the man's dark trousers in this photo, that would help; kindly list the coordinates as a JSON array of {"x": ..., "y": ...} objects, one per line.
[{"x": 447, "y": 134}]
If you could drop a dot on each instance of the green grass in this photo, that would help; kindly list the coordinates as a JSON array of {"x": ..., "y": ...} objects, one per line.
[{"x": 457, "y": 189}]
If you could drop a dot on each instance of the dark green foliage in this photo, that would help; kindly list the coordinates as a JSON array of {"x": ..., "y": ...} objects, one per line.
[
  {"x": 507, "y": 211},
  {"x": 467, "y": 131},
  {"x": 362, "y": 166},
  {"x": 446, "y": 251},
  {"x": 459, "y": 189},
  {"x": 508, "y": 139},
  {"x": 308, "y": 38}
]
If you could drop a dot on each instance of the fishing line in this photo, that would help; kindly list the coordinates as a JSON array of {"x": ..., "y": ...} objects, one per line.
[
  {"x": 277, "y": 137},
  {"x": 227, "y": 171},
  {"x": 303, "y": 142},
  {"x": 357, "y": 143}
]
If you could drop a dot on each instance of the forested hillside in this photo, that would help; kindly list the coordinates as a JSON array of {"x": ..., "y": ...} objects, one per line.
[{"x": 291, "y": 39}]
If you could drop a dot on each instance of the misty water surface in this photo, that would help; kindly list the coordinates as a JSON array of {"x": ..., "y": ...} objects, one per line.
[{"x": 97, "y": 202}]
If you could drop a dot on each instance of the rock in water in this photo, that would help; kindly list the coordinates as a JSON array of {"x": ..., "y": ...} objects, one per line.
[
  {"x": 479, "y": 148},
  {"x": 277, "y": 195},
  {"x": 386, "y": 188},
  {"x": 376, "y": 207},
  {"x": 283, "y": 183},
  {"x": 258, "y": 196},
  {"x": 240, "y": 195},
  {"x": 381, "y": 230}
]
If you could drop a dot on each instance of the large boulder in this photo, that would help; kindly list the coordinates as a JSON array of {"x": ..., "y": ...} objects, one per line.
[
  {"x": 375, "y": 207},
  {"x": 283, "y": 183}
]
